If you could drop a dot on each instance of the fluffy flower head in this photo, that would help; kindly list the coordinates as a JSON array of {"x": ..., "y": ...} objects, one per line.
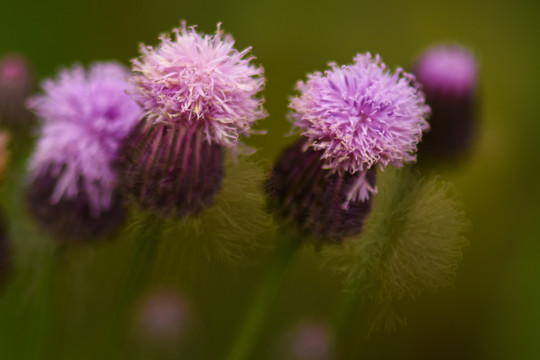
[
  {"x": 85, "y": 117},
  {"x": 360, "y": 115},
  {"x": 447, "y": 69},
  {"x": 200, "y": 80}
]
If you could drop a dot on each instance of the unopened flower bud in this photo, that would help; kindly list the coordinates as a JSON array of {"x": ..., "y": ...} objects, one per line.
[
  {"x": 448, "y": 74},
  {"x": 353, "y": 119},
  {"x": 301, "y": 190}
]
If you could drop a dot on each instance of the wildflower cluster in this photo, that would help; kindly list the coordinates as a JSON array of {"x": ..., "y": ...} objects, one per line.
[{"x": 159, "y": 135}]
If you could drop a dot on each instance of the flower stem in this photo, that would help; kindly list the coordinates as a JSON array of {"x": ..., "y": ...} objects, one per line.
[
  {"x": 345, "y": 310},
  {"x": 145, "y": 244},
  {"x": 265, "y": 295}
]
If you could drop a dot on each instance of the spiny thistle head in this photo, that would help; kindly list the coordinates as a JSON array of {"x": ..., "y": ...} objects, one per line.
[
  {"x": 360, "y": 115},
  {"x": 15, "y": 86},
  {"x": 447, "y": 69},
  {"x": 85, "y": 114},
  {"x": 5, "y": 253},
  {"x": 200, "y": 81},
  {"x": 163, "y": 316},
  {"x": 351, "y": 118},
  {"x": 448, "y": 74},
  {"x": 199, "y": 94}
]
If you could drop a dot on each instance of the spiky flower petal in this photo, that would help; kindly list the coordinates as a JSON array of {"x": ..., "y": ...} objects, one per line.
[{"x": 200, "y": 81}]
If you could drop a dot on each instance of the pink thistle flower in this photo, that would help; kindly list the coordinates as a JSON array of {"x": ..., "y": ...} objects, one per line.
[
  {"x": 199, "y": 95},
  {"x": 448, "y": 69},
  {"x": 86, "y": 115},
  {"x": 360, "y": 115}
]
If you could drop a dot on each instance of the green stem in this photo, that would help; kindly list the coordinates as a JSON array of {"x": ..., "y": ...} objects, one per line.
[
  {"x": 145, "y": 244},
  {"x": 346, "y": 307},
  {"x": 266, "y": 293}
]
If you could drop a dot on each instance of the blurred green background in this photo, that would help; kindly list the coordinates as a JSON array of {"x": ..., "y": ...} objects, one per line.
[{"x": 494, "y": 310}]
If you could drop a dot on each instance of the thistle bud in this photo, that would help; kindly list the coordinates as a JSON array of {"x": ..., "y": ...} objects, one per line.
[
  {"x": 72, "y": 183},
  {"x": 448, "y": 74},
  {"x": 199, "y": 96},
  {"x": 15, "y": 87},
  {"x": 301, "y": 190},
  {"x": 352, "y": 119}
]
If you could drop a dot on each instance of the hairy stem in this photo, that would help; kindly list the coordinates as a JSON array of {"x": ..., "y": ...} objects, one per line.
[{"x": 265, "y": 295}]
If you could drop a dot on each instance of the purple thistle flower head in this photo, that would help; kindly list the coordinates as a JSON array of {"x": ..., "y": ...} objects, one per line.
[
  {"x": 86, "y": 115},
  {"x": 163, "y": 315},
  {"x": 360, "y": 115},
  {"x": 447, "y": 69},
  {"x": 200, "y": 81},
  {"x": 304, "y": 193},
  {"x": 5, "y": 253}
]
